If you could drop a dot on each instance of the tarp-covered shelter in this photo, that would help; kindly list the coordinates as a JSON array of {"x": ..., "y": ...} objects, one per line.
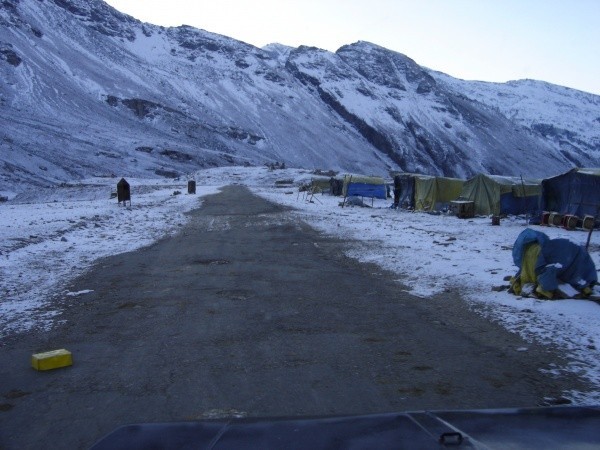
[
  {"x": 363, "y": 186},
  {"x": 576, "y": 192},
  {"x": 436, "y": 193},
  {"x": 320, "y": 184},
  {"x": 498, "y": 195},
  {"x": 406, "y": 182},
  {"x": 546, "y": 263}
]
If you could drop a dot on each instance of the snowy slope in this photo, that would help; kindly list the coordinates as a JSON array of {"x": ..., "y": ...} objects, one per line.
[
  {"x": 88, "y": 91},
  {"x": 142, "y": 100},
  {"x": 568, "y": 118},
  {"x": 423, "y": 126}
]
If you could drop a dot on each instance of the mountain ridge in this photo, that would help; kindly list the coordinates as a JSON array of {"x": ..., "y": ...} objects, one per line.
[{"x": 88, "y": 91}]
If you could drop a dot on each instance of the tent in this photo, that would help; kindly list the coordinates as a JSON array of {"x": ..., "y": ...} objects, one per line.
[
  {"x": 363, "y": 186},
  {"x": 436, "y": 193},
  {"x": 407, "y": 188},
  {"x": 497, "y": 195},
  {"x": 546, "y": 263},
  {"x": 576, "y": 192},
  {"x": 320, "y": 185}
]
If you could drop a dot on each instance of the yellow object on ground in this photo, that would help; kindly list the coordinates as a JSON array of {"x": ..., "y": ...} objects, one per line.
[
  {"x": 527, "y": 274},
  {"x": 52, "y": 360},
  {"x": 530, "y": 257},
  {"x": 547, "y": 294}
]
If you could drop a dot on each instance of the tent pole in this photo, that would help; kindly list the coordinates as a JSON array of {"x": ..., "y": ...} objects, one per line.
[
  {"x": 526, "y": 212},
  {"x": 589, "y": 238}
]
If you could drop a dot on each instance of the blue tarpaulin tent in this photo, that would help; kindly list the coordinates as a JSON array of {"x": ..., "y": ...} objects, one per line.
[
  {"x": 576, "y": 192},
  {"x": 361, "y": 186}
]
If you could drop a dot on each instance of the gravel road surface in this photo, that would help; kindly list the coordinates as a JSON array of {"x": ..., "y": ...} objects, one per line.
[{"x": 247, "y": 312}]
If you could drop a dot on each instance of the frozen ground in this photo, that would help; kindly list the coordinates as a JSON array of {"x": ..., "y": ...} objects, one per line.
[{"x": 49, "y": 237}]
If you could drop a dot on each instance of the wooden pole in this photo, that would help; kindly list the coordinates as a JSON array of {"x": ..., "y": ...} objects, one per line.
[
  {"x": 524, "y": 196},
  {"x": 589, "y": 238}
]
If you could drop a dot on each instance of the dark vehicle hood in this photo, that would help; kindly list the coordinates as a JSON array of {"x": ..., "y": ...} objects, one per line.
[{"x": 535, "y": 428}]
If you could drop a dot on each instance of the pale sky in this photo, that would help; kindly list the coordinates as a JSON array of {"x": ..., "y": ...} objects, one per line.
[{"x": 491, "y": 40}]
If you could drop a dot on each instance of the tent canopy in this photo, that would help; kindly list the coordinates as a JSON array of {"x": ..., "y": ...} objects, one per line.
[
  {"x": 575, "y": 192},
  {"x": 493, "y": 194},
  {"x": 407, "y": 188},
  {"x": 320, "y": 184},
  {"x": 364, "y": 186},
  {"x": 435, "y": 193}
]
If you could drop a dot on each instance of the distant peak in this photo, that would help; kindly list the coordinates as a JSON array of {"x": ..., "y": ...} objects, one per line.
[
  {"x": 363, "y": 45},
  {"x": 277, "y": 46},
  {"x": 278, "y": 51}
]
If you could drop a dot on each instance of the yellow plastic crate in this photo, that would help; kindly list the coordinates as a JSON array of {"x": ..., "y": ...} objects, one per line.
[{"x": 52, "y": 360}]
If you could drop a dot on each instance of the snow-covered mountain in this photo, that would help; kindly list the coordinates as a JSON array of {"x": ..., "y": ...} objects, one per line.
[
  {"x": 86, "y": 90},
  {"x": 568, "y": 118}
]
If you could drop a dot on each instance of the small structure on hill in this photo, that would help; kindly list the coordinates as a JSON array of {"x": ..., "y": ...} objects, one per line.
[{"x": 191, "y": 186}]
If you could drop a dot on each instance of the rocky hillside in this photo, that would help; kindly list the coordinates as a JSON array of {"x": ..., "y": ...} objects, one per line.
[{"x": 86, "y": 90}]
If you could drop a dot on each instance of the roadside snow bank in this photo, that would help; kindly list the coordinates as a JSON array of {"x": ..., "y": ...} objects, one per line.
[{"x": 59, "y": 233}]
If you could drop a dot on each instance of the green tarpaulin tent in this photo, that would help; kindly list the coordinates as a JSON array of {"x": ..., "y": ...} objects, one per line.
[
  {"x": 436, "y": 193},
  {"x": 320, "y": 184},
  {"x": 497, "y": 195}
]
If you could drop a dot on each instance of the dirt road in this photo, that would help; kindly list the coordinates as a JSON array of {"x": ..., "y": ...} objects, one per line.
[{"x": 247, "y": 312}]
